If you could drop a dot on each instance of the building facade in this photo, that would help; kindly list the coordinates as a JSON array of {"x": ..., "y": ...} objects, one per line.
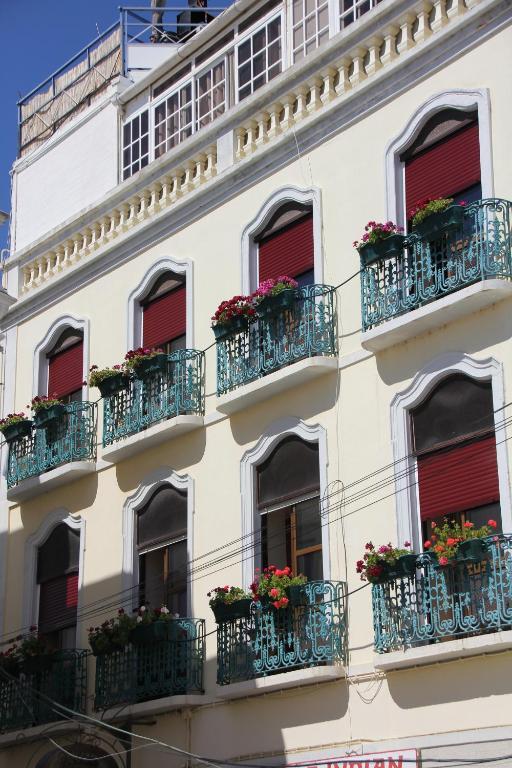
[{"x": 176, "y": 164}]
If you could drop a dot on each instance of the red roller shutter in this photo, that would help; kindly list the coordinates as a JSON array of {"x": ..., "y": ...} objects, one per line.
[
  {"x": 458, "y": 478},
  {"x": 164, "y": 318},
  {"x": 444, "y": 169},
  {"x": 289, "y": 251},
  {"x": 58, "y": 600},
  {"x": 65, "y": 371}
]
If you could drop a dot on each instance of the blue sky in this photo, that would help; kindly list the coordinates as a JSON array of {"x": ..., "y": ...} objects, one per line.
[{"x": 37, "y": 37}]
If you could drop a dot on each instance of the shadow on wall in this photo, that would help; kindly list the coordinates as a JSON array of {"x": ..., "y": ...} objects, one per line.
[{"x": 472, "y": 335}]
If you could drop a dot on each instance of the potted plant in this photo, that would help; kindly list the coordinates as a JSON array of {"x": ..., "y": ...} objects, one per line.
[
  {"x": 233, "y": 316},
  {"x": 145, "y": 361},
  {"x": 152, "y": 625},
  {"x": 36, "y": 653},
  {"x": 229, "y": 603},
  {"x": 380, "y": 564},
  {"x": 274, "y": 296},
  {"x": 47, "y": 410},
  {"x": 279, "y": 588},
  {"x": 380, "y": 241},
  {"x": 112, "y": 635},
  {"x": 452, "y": 542},
  {"x": 10, "y": 661},
  {"x": 108, "y": 380},
  {"x": 15, "y": 426},
  {"x": 433, "y": 216}
]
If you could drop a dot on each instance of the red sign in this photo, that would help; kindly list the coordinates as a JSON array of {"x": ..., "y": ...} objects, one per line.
[{"x": 405, "y": 758}]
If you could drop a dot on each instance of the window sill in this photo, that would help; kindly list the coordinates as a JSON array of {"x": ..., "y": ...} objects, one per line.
[
  {"x": 155, "y": 706},
  {"x": 439, "y": 312},
  {"x": 450, "y": 650},
  {"x": 33, "y": 486},
  {"x": 158, "y": 433},
  {"x": 275, "y": 383},
  {"x": 296, "y": 678}
]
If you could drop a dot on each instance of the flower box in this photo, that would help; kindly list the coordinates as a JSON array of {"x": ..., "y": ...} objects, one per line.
[
  {"x": 155, "y": 632},
  {"x": 406, "y": 565},
  {"x": 270, "y": 306},
  {"x": 102, "y": 647},
  {"x": 387, "y": 248},
  {"x": 17, "y": 430},
  {"x": 297, "y": 595},
  {"x": 149, "y": 366},
  {"x": 34, "y": 665},
  {"x": 112, "y": 384},
  {"x": 237, "y": 324},
  {"x": 438, "y": 223},
  {"x": 472, "y": 549},
  {"x": 46, "y": 417},
  {"x": 238, "y": 609}
]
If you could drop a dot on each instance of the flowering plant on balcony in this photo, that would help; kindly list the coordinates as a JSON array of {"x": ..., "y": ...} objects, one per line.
[
  {"x": 227, "y": 595},
  {"x": 10, "y": 419},
  {"x": 274, "y": 286},
  {"x": 147, "y": 615},
  {"x": 134, "y": 357},
  {"x": 237, "y": 307},
  {"x": 112, "y": 634},
  {"x": 43, "y": 402},
  {"x": 375, "y": 232},
  {"x": 378, "y": 561},
  {"x": 446, "y": 538},
  {"x": 98, "y": 375},
  {"x": 10, "y": 659},
  {"x": 273, "y": 585},
  {"x": 430, "y": 205}
]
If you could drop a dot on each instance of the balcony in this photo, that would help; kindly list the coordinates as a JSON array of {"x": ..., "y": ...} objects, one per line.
[
  {"x": 299, "y": 640},
  {"x": 161, "y": 669},
  {"x": 435, "y": 281},
  {"x": 64, "y": 681},
  {"x": 467, "y": 602},
  {"x": 156, "y": 408},
  {"x": 279, "y": 352},
  {"x": 53, "y": 455}
]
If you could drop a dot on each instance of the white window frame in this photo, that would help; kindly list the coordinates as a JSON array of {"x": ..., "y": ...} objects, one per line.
[
  {"x": 162, "y": 98},
  {"x": 406, "y": 474},
  {"x": 293, "y": 27},
  {"x": 153, "y": 481},
  {"x": 41, "y": 361},
  {"x": 249, "y": 33},
  {"x": 203, "y": 71},
  {"x": 133, "y": 116},
  {"x": 355, "y": 5}
]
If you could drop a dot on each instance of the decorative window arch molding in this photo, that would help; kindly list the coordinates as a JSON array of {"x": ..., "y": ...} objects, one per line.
[
  {"x": 464, "y": 100},
  {"x": 277, "y": 431},
  {"x": 154, "y": 480},
  {"x": 40, "y": 368},
  {"x": 407, "y": 500},
  {"x": 290, "y": 194},
  {"x": 134, "y": 335},
  {"x": 32, "y": 544}
]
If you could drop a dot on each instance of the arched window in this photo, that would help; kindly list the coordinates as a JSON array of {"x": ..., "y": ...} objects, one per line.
[
  {"x": 57, "y": 577},
  {"x": 161, "y": 540},
  {"x": 285, "y": 245},
  {"x": 444, "y": 159},
  {"x": 65, "y": 366},
  {"x": 164, "y": 313},
  {"x": 455, "y": 448},
  {"x": 288, "y": 483},
  {"x": 93, "y": 755}
]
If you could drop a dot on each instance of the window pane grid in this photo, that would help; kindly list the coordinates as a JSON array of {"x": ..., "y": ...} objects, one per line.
[
  {"x": 351, "y": 10},
  {"x": 259, "y": 58},
  {"x": 310, "y": 26},
  {"x": 173, "y": 119},
  {"x": 211, "y": 94},
  {"x": 135, "y": 144}
]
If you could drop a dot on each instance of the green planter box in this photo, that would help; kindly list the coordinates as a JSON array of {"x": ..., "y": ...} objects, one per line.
[
  {"x": 270, "y": 306},
  {"x": 237, "y": 324},
  {"x": 47, "y": 417},
  {"x": 239, "y": 609},
  {"x": 113, "y": 384},
  {"x": 34, "y": 665},
  {"x": 388, "y": 248},
  {"x": 156, "y": 632},
  {"x": 438, "y": 223},
  {"x": 17, "y": 431},
  {"x": 297, "y": 595},
  {"x": 151, "y": 366},
  {"x": 406, "y": 565},
  {"x": 472, "y": 549}
]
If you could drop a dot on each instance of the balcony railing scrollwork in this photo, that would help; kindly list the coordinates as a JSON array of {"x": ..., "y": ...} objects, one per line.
[
  {"x": 72, "y": 437},
  {"x": 432, "y": 267},
  {"x": 279, "y": 640},
  {"x": 438, "y": 603},
  {"x": 306, "y": 330},
  {"x": 177, "y": 391}
]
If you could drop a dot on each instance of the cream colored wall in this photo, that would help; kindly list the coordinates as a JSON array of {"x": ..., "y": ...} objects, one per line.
[{"x": 349, "y": 170}]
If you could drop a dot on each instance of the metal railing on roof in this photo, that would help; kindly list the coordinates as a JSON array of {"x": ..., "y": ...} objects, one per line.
[{"x": 170, "y": 24}]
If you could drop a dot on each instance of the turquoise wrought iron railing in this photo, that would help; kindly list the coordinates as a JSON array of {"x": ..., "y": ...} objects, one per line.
[
  {"x": 22, "y": 695},
  {"x": 477, "y": 249},
  {"x": 179, "y": 391},
  {"x": 162, "y": 668},
  {"x": 442, "y": 602},
  {"x": 278, "y": 640},
  {"x": 306, "y": 330},
  {"x": 71, "y": 438}
]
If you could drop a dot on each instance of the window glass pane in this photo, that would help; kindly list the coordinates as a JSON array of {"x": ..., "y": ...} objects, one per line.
[
  {"x": 151, "y": 577},
  {"x": 176, "y": 597},
  {"x": 258, "y": 41},
  {"x": 126, "y": 157},
  {"x": 291, "y": 470},
  {"x": 311, "y": 565},
  {"x": 297, "y": 10},
  {"x": 144, "y": 122},
  {"x": 276, "y": 542},
  {"x": 126, "y": 134},
  {"x": 308, "y": 523},
  {"x": 244, "y": 52},
  {"x": 59, "y": 554},
  {"x": 159, "y": 113},
  {"x": 481, "y": 515},
  {"x": 163, "y": 517},
  {"x": 274, "y": 30},
  {"x": 310, "y": 6}
]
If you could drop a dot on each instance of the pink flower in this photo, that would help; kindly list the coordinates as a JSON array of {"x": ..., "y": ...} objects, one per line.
[
  {"x": 427, "y": 544},
  {"x": 274, "y": 592},
  {"x": 407, "y": 543},
  {"x": 492, "y": 523},
  {"x": 443, "y": 561},
  {"x": 467, "y": 524}
]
